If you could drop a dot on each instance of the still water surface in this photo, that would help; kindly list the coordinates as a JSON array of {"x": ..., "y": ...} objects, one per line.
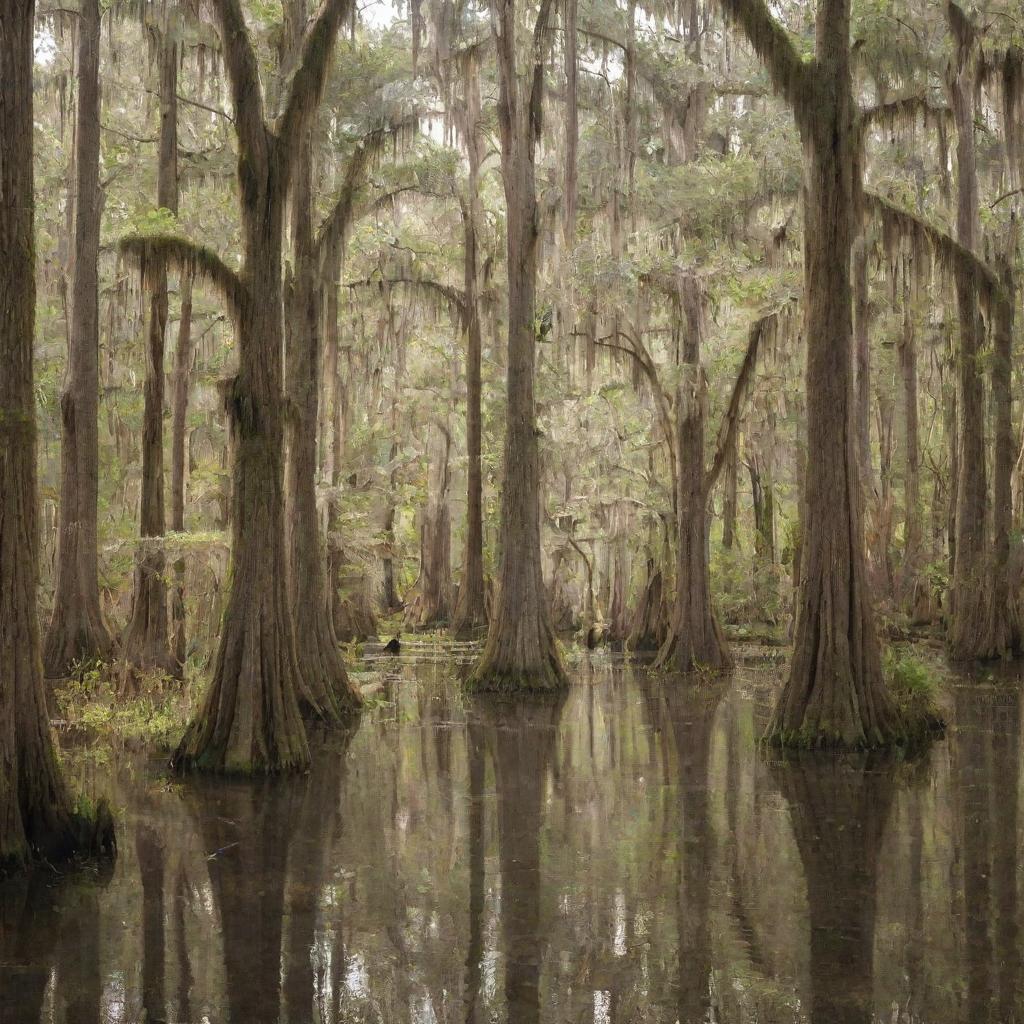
[{"x": 627, "y": 855}]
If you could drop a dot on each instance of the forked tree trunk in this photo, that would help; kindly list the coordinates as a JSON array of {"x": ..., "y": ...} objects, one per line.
[
  {"x": 179, "y": 414},
  {"x": 249, "y": 720},
  {"x": 77, "y": 631},
  {"x": 36, "y": 819},
  {"x": 835, "y": 694},
  {"x": 520, "y": 653},
  {"x": 695, "y": 640},
  {"x": 327, "y": 690},
  {"x": 471, "y": 606},
  {"x": 145, "y": 643},
  {"x": 968, "y": 634}
]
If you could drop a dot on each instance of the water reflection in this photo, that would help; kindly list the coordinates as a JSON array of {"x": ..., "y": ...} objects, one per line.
[{"x": 626, "y": 855}]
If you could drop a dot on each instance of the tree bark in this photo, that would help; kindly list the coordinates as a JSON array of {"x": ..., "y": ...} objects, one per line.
[
  {"x": 36, "y": 819},
  {"x": 835, "y": 694},
  {"x": 695, "y": 639},
  {"x": 250, "y": 719},
  {"x": 471, "y": 606},
  {"x": 968, "y": 635},
  {"x": 179, "y": 414},
  {"x": 145, "y": 645},
  {"x": 327, "y": 691},
  {"x": 77, "y": 632},
  {"x": 520, "y": 653}
]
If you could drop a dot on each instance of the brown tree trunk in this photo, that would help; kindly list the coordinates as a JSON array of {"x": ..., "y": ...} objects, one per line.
[
  {"x": 250, "y": 719},
  {"x": 36, "y": 819},
  {"x": 730, "y": 504},
  {"x": 835, "y": 694},
  {"x": 695, "y": 639},
  {"x": 77, "y": 631},
  {"x": 179, "y": 414},
  {"x": 145, "y": 645},
  {"x": 969, "y": 635},
  {"x": 520, "y": 653},
  {"x": 327, "y": 692},
  {"x": 913, "y": 585},
  {"x": 471, "y": 607},
  {"x": 432, "y": 604}
]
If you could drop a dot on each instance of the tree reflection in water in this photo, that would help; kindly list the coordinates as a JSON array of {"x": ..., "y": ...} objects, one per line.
[{"x": 627, "y": 855}]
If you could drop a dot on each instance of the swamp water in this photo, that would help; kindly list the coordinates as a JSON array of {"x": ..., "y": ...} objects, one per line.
[{"x": 627, "y": 855}]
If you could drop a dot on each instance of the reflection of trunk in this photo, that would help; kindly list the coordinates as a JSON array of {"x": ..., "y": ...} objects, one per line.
[
  {"x": 471, "y": 611},
  {"x": 692, "y": 724},
  {"x": 477, "y": 873},
  {"x": 695, "y": 639},
  {"x": 432, "y": 604},
  {"x": 149, "y": 850},
  {"x": 835, "y": 693},
  {"x": 247, "y": 833},
  {"x": 145, "y": 640},
  {"x": 522, "y": 741},
  {"x": 520, "y": 653},
  {"x": 179, "y": 413},
  {"x": 29, "y": 916},
  {"x": 77, "y": 631},
  {"x": 839, "y": 812}
]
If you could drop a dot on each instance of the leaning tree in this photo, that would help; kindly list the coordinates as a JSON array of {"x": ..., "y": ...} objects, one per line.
[
  {"x": 250, "y": 719},
  {"x": 36, "y": 816}
]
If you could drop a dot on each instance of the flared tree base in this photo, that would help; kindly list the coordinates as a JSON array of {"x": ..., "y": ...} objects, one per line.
[
  {"x": 74, "y": 639},
  {"x": 250, "y": 722},
  {"x": 983, "y": 627},
  {"x": 145, "y": 646},
  {"x": 326, "y": 693},
  {"x": 498, "y": 672},
  {"x": 701, "y": 649}
]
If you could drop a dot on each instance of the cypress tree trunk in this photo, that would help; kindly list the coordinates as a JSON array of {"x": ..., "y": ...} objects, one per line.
[
  {"x": 77, "y": 631},
  {"x": 145, "y": 643},
  {"x": 179, "y": 413},
  {"x": 730, "y": 502},
  {"x": 520, "y": 653},
  {"x": 915, "y": 594},
  {"x": 327, "y": 690},
  {"x": 432, "y": 603},
  {"x": 471, "y": 606},
  {"x": 249, "y": 720},
  {"x": 969, "y": 635},
  {"x": 36, "y": 819},
  {"x": 695, "y": 639},
  {"x": 835, "y": 693}
]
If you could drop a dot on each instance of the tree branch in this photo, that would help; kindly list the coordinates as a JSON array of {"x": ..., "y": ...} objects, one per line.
[
  {"x": 903, "y": 112},
  {"x": 243, "y": 73},
  {"x": 740, "y": 393},
  {"x": 154, "y": 252},
  {"x": 793, "y": 77},
  {"x": 308, "y": 81},
  {"x": 454, "y": 296},
  {"x": 951, "y": 253}
]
